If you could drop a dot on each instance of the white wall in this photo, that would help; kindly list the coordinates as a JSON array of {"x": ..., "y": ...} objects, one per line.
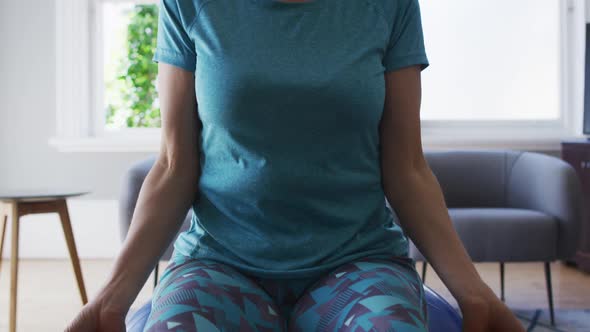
[
  {"x": 27, "y": 110},
  {"x": 27, "y": 121}
]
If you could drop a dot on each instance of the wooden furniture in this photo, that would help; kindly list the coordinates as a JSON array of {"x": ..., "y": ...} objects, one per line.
[
  {"x": 23, "y": 203},
  {"x": 577, "y": 153}
]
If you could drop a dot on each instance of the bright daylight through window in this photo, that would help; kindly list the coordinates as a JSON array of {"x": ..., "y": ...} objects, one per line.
[
  {"x": 129, "y": 37},
  {"x": 490, "y": 60}
]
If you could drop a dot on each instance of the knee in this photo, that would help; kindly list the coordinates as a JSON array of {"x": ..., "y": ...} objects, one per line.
[
  {"x": 378, "y": 313},
  {"x": 363, "y": 296}
]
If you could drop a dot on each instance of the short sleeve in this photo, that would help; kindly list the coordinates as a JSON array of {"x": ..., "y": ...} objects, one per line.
[
  {"x": 174, "y": 45},
  {"x": 406, "y": 41}
]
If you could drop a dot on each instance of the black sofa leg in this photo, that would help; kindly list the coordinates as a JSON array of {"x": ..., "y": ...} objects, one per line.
[
  {"x": 156, "y": 274},
  {"x": 549, "y": 291},
  {"x": 424, "y": 266},
  {"x": 502, "y": 282}
]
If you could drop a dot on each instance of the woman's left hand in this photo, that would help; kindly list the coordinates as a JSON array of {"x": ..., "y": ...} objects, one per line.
[{"x": 486, "y": 313}]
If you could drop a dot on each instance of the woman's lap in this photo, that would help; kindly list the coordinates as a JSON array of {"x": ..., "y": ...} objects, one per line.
[
  {"x": 212, "y": 297},
  {"x": 365, "y": 295}
]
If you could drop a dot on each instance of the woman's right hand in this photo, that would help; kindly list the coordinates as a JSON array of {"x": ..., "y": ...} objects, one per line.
[{"x": 96, "y": 317}]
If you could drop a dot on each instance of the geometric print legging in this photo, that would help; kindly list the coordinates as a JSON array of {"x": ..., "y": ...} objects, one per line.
[{"x": 367, "y": 294}]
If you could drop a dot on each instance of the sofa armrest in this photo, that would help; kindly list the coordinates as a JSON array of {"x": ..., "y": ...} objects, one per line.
[
  {"x": 131, "y": 185},
  {"x": 550, "y": 185}
]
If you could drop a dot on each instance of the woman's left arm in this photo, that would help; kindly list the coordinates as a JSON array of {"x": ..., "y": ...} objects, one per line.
[{"x": 415, "y": 194}]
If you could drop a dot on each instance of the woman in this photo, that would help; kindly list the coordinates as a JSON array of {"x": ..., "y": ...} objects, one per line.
[{"x": 307, "y": 120}]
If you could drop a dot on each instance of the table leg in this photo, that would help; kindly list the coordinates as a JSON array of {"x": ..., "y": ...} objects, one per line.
[
  {"x": 4, "y": 217},
  {"x": 69, "y": 235},
  {"x": 14, "y": 266}
]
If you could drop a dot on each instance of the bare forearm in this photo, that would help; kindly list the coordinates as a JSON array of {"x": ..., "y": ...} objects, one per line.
[
  {"x": 420, "y": 206},
  {"x": 163, "y": 202}
]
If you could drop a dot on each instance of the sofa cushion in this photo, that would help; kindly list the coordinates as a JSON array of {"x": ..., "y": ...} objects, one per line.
[{"x": 504, "y": 234}]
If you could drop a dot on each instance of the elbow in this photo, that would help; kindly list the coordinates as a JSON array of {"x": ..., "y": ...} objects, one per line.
[
  {"x": 398, "y": 175},
  {"x": 179, "y": 163},
  {"x": 400, "y": 163},
  {"x": 402, "y": 185}
]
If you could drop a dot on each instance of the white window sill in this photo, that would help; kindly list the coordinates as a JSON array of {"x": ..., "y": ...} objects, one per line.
[
  {"x": 106, "y": 144},
  {"x": 544, "y": 144},
  {"x": 152, "y": 143}
]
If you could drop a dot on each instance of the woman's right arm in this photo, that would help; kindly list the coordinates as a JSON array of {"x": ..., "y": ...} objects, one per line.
[{"x": 167, "y": 193}]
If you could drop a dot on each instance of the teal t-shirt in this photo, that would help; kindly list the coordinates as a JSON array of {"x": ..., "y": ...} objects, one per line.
[{"x": 290, "y": 96}]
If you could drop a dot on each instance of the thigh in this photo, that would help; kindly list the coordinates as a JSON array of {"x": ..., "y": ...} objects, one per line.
[
  {"x": 210, "y": 296},
  {"x": 365, "y": 295}
]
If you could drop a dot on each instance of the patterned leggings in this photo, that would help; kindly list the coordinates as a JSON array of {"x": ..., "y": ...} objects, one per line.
[{"x": 368, "y": 294}]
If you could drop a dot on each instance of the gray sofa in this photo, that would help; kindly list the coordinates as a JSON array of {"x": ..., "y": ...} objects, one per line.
[
  {"x": 510, "y": 206},
  {"x": 507, "y": 206}
]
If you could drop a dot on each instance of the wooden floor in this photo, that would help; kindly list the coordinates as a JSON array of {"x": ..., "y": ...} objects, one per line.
[
  {"x": 525, "y": 286},
  {"x": 48, "y": 297}
]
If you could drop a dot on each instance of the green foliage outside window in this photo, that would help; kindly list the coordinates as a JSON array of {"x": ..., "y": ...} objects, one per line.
[{"x": 136, "y": 103}]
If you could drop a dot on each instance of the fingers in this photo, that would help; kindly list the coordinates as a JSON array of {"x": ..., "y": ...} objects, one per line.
[
  {"x": 507, "y": 321},
  {"x": 473, "y": 324},
  {"x": 112, "y": 322},
  {"x": 94, "y": 318},
  {"x": 85, "y": 321}
]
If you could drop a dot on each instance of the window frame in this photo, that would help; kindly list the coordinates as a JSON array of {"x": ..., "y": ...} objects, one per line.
[
  {"x": 80, "y": 125},
  {"x": 97, "y": 112}
]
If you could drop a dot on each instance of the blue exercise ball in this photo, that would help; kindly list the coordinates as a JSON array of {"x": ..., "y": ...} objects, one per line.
[
  {"x": 136, "y": 320},
  {"x": 442, "y": 317}
]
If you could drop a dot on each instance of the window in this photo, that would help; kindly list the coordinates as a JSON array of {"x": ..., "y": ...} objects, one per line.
[
  {"x": 504, "y": 73},
  {"x": 129, "y": 98},
  {"x": 492, "y": 60}
]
